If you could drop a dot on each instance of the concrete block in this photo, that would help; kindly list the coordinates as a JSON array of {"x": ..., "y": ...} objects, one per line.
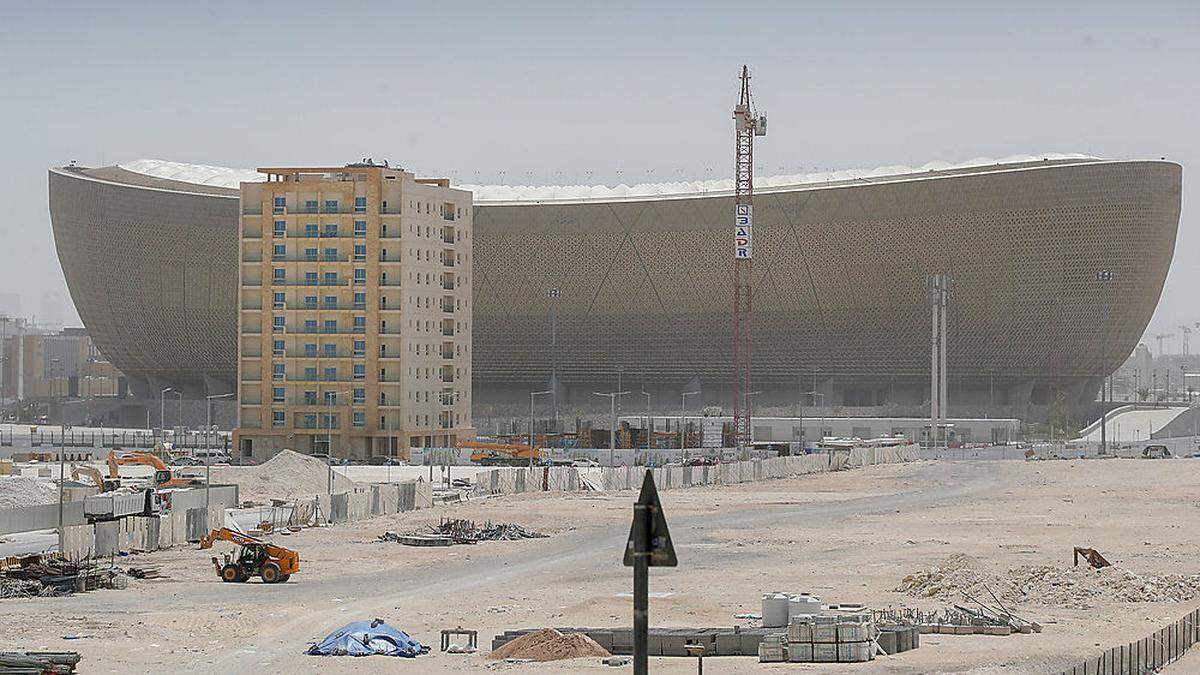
[
  {"x": 800, "y": 652},
  {"x": 672, "y": 645},
  {"x": 890, "y": 640},
  {"x": 825, "y": 632},
  {"x": 825, "y": 652},
  {"x": 963, "y": 630},
  {"x": 750, "y": 642},
  {"x": 800, "y": 631},
  {"x": 855, "y": 652},
  {"x": 853, "y": 632},
  {"x": 107, "y": 538},
  {"x": 728, "y": 644}
]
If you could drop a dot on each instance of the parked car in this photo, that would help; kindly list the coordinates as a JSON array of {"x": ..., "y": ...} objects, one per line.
[
  {"x": 380, "y": 460},
  {"x": 585, "y": 463}
]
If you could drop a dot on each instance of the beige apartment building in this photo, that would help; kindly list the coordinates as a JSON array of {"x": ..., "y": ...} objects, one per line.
[{"x": 354, "y": 329}]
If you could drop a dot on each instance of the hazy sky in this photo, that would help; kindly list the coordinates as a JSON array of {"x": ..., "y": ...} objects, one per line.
[{"x": 585, "y": 92}]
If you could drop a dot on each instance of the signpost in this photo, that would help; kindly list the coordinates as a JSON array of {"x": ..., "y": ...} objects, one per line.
[{"x": 649, "y": 546}]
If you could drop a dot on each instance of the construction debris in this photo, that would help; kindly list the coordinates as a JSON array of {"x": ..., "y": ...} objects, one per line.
[
  {"x": 145, "y": 573},
  {"x": 48, "y": 576},
  {"x": 456, "y": 531},
  {"x": 38, "y": 663},
  {"x": 1092, "y": 556},
  {"x": 549, "y": 644},
  {"x": 1071, "y": 588}
]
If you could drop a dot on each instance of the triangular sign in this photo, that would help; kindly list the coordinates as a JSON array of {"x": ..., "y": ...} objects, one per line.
[{"x": 657, "y": 542}]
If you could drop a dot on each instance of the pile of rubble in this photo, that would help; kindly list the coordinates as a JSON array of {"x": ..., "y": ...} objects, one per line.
[
  {"x": 48, "y": 576},
  {"x": 549, "y": 644},
  {"x": 457, "y": 531},
  {"x": 1071, "y": 587}
]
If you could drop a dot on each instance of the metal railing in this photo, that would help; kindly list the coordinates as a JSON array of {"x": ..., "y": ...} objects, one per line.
[{"x": 1147, "y": 655}]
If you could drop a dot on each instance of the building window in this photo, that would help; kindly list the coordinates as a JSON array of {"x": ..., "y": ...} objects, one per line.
[
  {"x": 277, "y": 419},
  {"x": 310, "y": 254},
  {"x": 329, "y": 326},
  {"x": 280, "y": 204},
  {"x": 310, "y": 421},
  {"x": 331, "y": 398},
  {"x": 331, "y": 374},
  {"x": 310, "y": 278},
  {"x": 310, "y": 302},
  {"x": 310, "y": 349},
  {"x": 310, "y": 206},
  {"x": 359, "y": 418},
  {"x": 281, "y": 228},
  {"x": 277, "y": 371},
  {"x": 311, "y": 230},
  {"x": 277, "y": 324},
  {"x": 331, "y": 279},
  {"x": 278, "y": 302},
  {"x": 360, "y": 277},
  {"x": 310, "y": 398},
  {"x": 277, "y": 348},
  {"x": 329, "y": 421},
  {"x": 331, "y": 255},
  {"x": 360, "y": 395},
  {"x": 310, "y": 325},
  {"x": 360, "y": 371},
  {"x": 277, "y": 394},
  {"x": 360, "y": 252},
  {"x": 360, "y": 324},
  {"x": 360, "y": 228},
  {"x": 310, "y": 373},
  {"x": 331, "y": 302},
  {"x": 330, "y": 350},
  {"x": 360, "y": 300},
  {"x": 279, "y": 275},
  {"x": 360, "y": 347},
  {"x": 360, "y": 204},
  {"x": 331, "y": 206},
  {"x": 279, "y": 252}
]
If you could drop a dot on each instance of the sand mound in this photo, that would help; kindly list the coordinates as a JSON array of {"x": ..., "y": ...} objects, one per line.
[
  {"x": 1070, "y": 587},
  {"x": 288, "y": 475},
  {"x": 19, "y": 491},
  {"x": 548, "y": 644}
]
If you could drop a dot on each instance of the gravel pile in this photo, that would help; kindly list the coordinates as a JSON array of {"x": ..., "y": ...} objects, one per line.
[
  {"x": 288, "y": 475},
  {"x": 1071, "y": 587},
  {"x": 548, "y": 644},
  {"x": 19, "y": 491}
]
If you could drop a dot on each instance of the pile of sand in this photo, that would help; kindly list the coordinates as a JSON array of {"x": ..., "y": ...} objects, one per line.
[
  {"x": 19, "y": 491},
  {"x": 548, "y": 644},
  {"x": 1070, "y": 587},
  {"x": 288, "y": 475}
]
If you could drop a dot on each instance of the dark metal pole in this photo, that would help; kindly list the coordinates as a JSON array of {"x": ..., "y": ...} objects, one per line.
[{"x": 641, "y": 586}]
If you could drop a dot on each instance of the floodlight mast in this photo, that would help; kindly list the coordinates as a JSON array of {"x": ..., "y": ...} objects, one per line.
[{"x": 747, "y": 125}]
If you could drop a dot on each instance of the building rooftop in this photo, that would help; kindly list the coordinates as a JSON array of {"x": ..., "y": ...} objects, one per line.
[{"x": 202, "y": 178}]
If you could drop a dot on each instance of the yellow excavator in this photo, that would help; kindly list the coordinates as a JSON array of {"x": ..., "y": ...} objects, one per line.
[
  {"x": 253, "y": 558},
  {"x": 163, "y": 477},
  {"x": 94, "y": 475},
  {"x": 486, "y": 453}
]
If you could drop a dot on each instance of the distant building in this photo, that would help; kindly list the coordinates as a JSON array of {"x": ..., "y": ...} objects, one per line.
[
  {"x": 355, "y": 312},
  {"x": 38, "y": 363}
]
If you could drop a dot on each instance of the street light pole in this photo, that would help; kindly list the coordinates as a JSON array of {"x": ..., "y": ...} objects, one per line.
[
  {"x": 162, "y": 409},
  {"x": 683, "y": 417},
  {"x": 208, "y": 428},
  {"x": 649, "y": 422},
  {"x": 1104, "y": 276},
  {"x": 330, "y": 399},
  {"x": 612, "y": 426},
  {"x": 531, "y": 395}
]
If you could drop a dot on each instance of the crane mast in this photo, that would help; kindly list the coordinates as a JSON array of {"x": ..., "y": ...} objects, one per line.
[{"x": 746, "y": 126}]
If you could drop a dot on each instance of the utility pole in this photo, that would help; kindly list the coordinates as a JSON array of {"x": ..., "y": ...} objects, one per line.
[
  {"x": 553, "y": 294},
  {"x": 683, "y": 418},
  {"x": 1186, "y": 332},
  {"x": 1104, "y": 277},
  {"x": 531, "y": 395},
  {"x": 612, "y": 427},
  {"x": 939, "y": 291},
  {"x": 747, "y": 125}
]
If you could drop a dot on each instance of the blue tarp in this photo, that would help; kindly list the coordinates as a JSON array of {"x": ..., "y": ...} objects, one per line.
[{"x": 365, "y": 638}]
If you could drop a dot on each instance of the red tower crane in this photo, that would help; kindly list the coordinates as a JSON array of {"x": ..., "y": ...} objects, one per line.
[{"x": 746, "y": 125}]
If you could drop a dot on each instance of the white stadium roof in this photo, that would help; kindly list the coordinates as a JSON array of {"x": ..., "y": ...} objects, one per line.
[{"x": 222, "y": 177}]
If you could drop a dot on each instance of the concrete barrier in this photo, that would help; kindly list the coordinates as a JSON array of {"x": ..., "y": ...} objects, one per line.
[{"x": 41, "y": 517}]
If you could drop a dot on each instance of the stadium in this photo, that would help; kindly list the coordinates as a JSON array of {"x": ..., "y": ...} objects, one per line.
[{"x": 630, "y": 286}]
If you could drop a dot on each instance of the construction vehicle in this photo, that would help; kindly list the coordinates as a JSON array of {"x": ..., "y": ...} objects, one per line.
[
  {"x": 163, "y": 478},
  {"x": 93, "y": 474},
  {"x": 501, "y": 454},
  {"x": 253, "y": 558}
]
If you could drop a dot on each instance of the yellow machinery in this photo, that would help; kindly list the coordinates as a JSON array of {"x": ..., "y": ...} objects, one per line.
[
  {"x": 253, "y": 558},
  {"x": 501, "y": 454},
  {"x": 163, "y": 478}
]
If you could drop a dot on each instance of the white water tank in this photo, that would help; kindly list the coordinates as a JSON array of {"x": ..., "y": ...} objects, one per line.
[
  {"x": 775, "y": 610},
  {"x": 804, "y": 605}
]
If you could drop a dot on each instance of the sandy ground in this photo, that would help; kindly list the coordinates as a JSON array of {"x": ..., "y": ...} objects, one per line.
[{"x": 849, "y": 537}]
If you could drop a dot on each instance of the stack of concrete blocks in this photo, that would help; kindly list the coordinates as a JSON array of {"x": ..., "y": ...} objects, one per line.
[
  {"x": 831, "y": 639},
  {"x": 79, "y": 542},
  {"x": 773, "y": 649}
]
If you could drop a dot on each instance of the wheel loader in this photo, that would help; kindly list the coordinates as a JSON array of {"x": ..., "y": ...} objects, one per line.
[{"x": 253, "y": 558}]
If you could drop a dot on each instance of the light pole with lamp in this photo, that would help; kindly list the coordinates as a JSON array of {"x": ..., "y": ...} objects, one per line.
[
  {"x": 553, "y": 294},
  {"x": 208, "y": 429},
  {"x": 330, "y": 400},
  {"x": 649, "y": 423},
  {"x": 1104, "y": 276},
  {"x": 162, "y": 410},
  {"x": 683, "y": 417},
  {"x": 62, "y": 472},
  {"x": 612, "y": 426},
  {"x": 531, "y": 395}
]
